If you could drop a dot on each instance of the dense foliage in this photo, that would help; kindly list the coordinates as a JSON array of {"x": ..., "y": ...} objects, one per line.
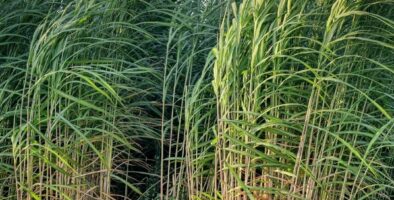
[{"x": 196, "y": 99}]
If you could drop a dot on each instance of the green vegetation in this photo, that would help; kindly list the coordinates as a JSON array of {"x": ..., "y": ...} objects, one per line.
[{"x": 196, "y": 99}]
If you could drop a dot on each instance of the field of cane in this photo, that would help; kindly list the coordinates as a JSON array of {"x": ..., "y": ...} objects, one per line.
[{"x": 196, "y": 99}]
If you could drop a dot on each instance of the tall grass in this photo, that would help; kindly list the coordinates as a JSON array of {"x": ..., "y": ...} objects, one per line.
[
  {"x": 196, "y": 99},
  {"x": 303, "y": 96},
  {"x": 77, "y": 93}
]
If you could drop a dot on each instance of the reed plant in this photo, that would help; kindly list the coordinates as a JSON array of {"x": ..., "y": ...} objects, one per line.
[
  {"x": 196, "y": 99},
  {"x": 302, "y": 106}
]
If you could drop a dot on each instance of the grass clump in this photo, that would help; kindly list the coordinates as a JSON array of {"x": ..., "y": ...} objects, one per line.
[
  {"x": 196, "y": 99},
  {"x": 303, "y": 92}
]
